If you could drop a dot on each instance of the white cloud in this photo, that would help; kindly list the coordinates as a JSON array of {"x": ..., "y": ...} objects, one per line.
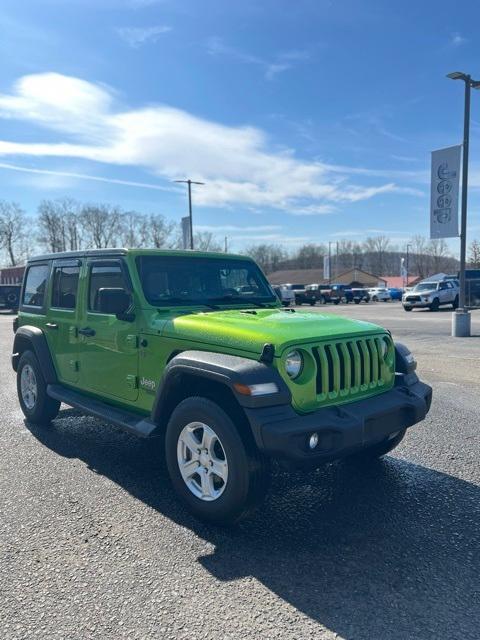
[
  {"x": 236, "y": 162},
  {"x": 62, "y": 178},
  {"x": 457, "y": 39},
  {"x": 231, "y": 228},
  {"x": 135, "y": 37},
  {"x": 283, "y": 61}
]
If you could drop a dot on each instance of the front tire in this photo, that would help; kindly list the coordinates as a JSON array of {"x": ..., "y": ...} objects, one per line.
[
  {"x": 216, "y": 471},
  {"x": 435, "y": 306},
  {"x": 37, "y": 406},
  {"x": 407, "y": 308}
]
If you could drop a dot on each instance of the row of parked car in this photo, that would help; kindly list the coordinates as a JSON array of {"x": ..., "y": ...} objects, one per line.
[{"x": 312, "y": 294}]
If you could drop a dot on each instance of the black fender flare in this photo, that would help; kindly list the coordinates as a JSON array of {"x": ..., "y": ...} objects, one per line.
[
  {"x": 36, "y": 340},
  {"x": 225, "y": 369}
]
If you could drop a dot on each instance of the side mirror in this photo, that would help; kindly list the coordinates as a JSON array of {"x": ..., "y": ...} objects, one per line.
[{"x": 114, "y": 301}]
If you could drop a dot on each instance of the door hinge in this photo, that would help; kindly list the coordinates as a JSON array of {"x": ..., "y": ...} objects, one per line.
[
  {"x": 74, "y": 365},
  {"x": 132, "y": 381},
  {"x": 132, "y": 341}
]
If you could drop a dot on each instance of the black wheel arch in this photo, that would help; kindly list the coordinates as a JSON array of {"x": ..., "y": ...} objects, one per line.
[
  {"x": 214, "y": 376},
  {"x": 32, "y": 338}
]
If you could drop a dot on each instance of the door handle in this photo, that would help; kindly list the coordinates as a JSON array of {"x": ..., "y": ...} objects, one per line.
[
  {"x": 87, "y": 331},
  {"x": 51, "y": 325}
]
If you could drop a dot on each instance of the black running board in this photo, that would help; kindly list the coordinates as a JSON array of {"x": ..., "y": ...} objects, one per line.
[{"x": 127, "y": 420}]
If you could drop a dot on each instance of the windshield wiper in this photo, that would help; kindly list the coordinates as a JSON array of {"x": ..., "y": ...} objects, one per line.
[
  {"x": 247, "y": 301},
  {"x": 187, "y": 302}
]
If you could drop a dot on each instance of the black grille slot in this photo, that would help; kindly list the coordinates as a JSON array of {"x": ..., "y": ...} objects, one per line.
[
  {"x": 342, "y": 365},
  {"x": 362, "y": 363},
  {"x": 330, "y": 368},
  {"x": 318, "y": 381},
  {"x": 372, "y": 356},
  {"x": 353, "y": 381}
]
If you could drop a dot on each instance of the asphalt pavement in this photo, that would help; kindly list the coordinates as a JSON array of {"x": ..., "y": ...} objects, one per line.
[{"x": 93, "y": 543}]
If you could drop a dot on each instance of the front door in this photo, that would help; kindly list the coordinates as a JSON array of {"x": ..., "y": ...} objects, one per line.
[
  {"x": 108, "y": 346},
  {"x": 61, "y": 321}
]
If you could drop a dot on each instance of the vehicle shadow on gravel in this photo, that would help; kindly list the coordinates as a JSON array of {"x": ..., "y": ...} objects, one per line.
[{"x": 387, "y": 552}]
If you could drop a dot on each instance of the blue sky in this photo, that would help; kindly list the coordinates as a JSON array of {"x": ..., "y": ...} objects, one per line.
[{"x": 308, "y": 121}]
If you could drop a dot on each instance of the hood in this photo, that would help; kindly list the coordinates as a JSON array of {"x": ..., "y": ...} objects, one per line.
[{"x": 250, "y": 330}]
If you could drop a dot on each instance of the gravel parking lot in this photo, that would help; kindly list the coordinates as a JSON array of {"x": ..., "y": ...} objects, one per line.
[{"x": 93, "y": 543}]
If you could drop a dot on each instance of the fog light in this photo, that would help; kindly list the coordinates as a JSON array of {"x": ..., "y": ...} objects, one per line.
[{"x": 313, "y": 440}]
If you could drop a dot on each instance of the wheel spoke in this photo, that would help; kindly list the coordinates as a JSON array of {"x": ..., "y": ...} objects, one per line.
[
  {"x": 220, "y": 469},
  {"x": 189, "y": 468},
  {"x": 208, "y": 439},
  {"x": 189, "y": 440},
  {"x": 207, "y": 484}
]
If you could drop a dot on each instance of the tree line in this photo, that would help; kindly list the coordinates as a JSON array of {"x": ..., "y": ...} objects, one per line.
[
  {"x": 377, "y": 255},
  {"x": 68, "y": 225}
]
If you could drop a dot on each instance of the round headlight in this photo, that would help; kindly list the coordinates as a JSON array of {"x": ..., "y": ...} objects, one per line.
[{"x": 293, "y": 364}]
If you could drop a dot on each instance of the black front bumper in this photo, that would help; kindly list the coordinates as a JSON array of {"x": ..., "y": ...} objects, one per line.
[{"x": 282, "y": 433}]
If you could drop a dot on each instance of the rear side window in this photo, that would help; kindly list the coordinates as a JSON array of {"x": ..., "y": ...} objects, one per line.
[
  {"x": 104, "y": 276},
  {"x": 35, "y": 285},
  {"x": 65, "y": 285}
]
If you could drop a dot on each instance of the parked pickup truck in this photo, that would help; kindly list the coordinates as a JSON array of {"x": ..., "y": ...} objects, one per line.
[
  {"x": 359, "y": 295},
  {"x": 317, "y": 293},
  {"x": 9, "y": 296},
  {"x": 195, "y": 349},
  {"x": 286, "y": 296}
]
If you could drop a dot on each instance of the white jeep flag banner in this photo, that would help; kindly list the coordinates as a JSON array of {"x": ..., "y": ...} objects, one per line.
[
  {"x": 326, "y": 267},
  {"x": 444, "y": 192}
]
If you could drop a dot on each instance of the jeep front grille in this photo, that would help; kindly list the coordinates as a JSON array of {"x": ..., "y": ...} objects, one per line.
[{"x": 351, "y": 367}]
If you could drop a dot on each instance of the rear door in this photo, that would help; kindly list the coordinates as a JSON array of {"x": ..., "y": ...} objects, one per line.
[
  {"x": 61, "y": 322},
  {"x": 108, "y": 346}
]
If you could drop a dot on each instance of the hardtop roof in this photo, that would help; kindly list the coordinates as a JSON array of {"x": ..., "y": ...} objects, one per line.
[{"x": 92, "y": 253}]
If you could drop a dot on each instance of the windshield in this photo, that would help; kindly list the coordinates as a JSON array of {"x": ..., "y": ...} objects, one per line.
[
  {"x": 175, "y": 280},
  {"x": 426, "y": 286}
]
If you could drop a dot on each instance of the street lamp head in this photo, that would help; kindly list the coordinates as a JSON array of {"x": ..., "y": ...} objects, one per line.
[{"x": 457, "y": 75}]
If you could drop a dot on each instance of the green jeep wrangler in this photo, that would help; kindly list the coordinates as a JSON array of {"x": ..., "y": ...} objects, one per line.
[{"x": 195, "y": 348}]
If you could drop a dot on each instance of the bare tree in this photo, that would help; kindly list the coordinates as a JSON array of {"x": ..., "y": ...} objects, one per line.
[
  {"x": 12, "y": 231},
  {"x": 134, "y": 232},
  {"x": 474, "y": 257},
  {"x": 59, "y": 227},
  {"x": 438, "y": 250},
  {"x": 206, "y": 241},
  {"x": 376, "y": 247},
  {"x": 102, "y": 225},
  {"x": 270, "y": 257},
  {"x": 419, "y": 258},
  {"x": 163, "y": 232}
]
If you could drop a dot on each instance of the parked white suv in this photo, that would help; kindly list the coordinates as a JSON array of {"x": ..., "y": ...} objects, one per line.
[
  {"x": 431, "y": 295},
  {"x": 287, "y": 296},
  {"x": 380, "y": 294}
]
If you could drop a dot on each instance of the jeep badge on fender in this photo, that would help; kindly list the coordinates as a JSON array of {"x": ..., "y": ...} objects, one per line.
[{"x": 195, "y": 348}]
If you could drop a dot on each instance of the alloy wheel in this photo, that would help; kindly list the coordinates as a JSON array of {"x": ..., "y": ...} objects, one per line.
[
  {"x": 28, "y": 387},
  {"x": 202, "y": 461}
]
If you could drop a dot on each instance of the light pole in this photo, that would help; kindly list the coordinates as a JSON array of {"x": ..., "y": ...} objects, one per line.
[
  {"x": 461, "y": 320},
  {"x": 189, "y": 183},
  {"x": 408, "y": 259}
]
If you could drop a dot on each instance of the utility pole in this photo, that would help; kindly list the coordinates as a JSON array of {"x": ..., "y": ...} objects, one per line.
[
  {"x": 408, "y": 260},
  {"x": 461, "y": 320},
  {"x": 189, "y": 183},
  {"x": 226, "y": 244}
]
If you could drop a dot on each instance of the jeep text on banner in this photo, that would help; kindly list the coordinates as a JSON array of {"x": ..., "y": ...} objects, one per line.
[{"x": 444, "y": 192}]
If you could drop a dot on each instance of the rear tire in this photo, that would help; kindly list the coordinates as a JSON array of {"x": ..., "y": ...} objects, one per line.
[
  {"x": 455, "y": 303},
  {"x": 37, "y": 406},
  {"x": 377, "y": 450},
  {"x": 357, "y": 301},
  {"x": 239, "y": 486}
]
